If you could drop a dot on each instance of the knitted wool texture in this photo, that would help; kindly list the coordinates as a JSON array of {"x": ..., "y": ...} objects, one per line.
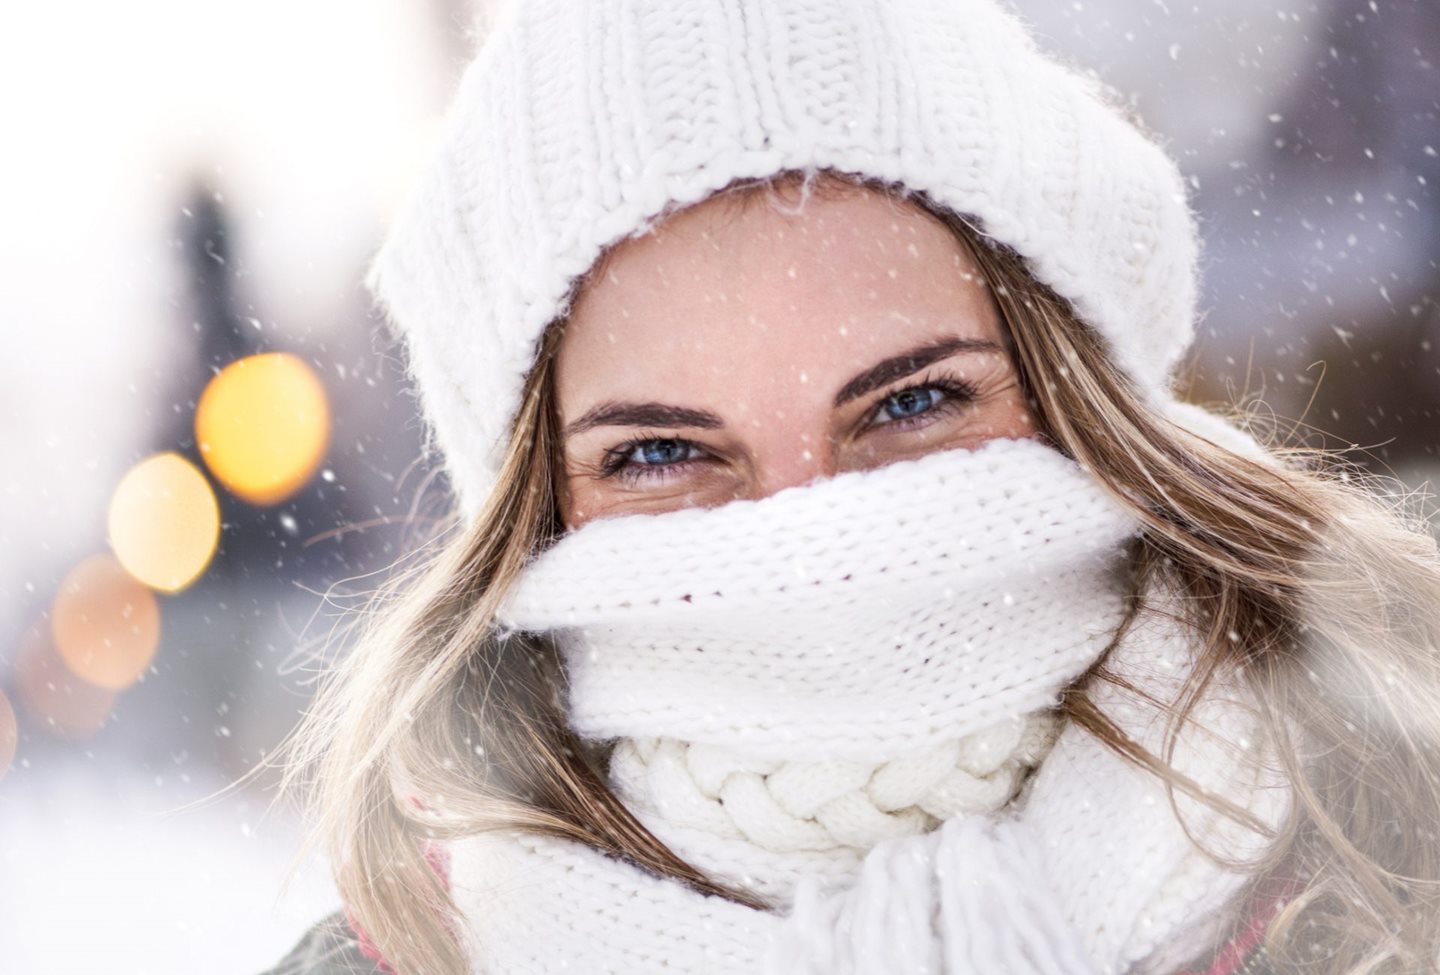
[
  {"x": 832, "y": 653},
  {"x": 582, "y": 121},
  {"x": 795, "y": 679}
]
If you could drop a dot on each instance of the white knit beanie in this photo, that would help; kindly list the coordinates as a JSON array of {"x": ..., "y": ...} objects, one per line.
[{"x": 580, "y": 121}]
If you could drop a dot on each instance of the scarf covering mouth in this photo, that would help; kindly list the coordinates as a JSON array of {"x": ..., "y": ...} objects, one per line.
[
  {"x": 856, "y": 618},
  {"x": 870, "y": 621}
]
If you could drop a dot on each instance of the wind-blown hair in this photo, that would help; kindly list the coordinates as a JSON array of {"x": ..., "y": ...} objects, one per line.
[{"x": 1309, "y": 580}]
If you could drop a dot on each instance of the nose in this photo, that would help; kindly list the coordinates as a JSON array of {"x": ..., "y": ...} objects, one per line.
[{"x": 791, "y": 460}]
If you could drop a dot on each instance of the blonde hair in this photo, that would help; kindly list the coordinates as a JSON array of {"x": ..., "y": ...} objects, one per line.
[{"x": 1320, "y": 592}]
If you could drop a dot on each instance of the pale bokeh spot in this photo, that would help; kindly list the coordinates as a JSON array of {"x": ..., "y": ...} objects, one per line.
[{"x": 164, "y": 522}]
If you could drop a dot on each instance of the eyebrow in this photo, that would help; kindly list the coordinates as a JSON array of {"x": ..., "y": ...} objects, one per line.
[
  {"x": 908, "y": 363},
  {"x": 643, "y": 415},
  {"x": 623, "y": 414}
]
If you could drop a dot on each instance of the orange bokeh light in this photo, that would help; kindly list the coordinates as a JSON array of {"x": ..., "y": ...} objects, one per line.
[
  {"x": 106, "y": 624},
  {"x": 64, "y": 704}
]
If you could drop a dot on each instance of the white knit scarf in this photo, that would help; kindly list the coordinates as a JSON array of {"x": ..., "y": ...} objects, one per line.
[{"x": 834, "y": 696}]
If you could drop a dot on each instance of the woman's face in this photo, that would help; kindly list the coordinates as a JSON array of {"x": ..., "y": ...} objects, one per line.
[{"x": 734, "y": 352}]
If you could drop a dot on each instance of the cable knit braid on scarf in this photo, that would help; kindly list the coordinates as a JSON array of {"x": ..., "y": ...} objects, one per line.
[
  {"x": 844, "y": 695},
  {"x": 836, "y": 695}
]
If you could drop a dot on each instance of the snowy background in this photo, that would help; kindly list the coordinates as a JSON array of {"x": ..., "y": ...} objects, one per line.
[{"x": 187, "y": 185}]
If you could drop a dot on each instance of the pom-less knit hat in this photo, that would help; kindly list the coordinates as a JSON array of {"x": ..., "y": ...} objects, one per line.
[{"x": 580, "y": 121}]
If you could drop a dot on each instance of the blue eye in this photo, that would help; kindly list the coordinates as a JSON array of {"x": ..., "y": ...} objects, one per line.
[
  {"x": 906, "y": 404},
  {"x": 922, "y": 403},
  {"x": 658, "y": 459},
  {"x": 669, "y": 451},
  {"x": 653, "y": 458},
  {"x": 910, "y": 402}
]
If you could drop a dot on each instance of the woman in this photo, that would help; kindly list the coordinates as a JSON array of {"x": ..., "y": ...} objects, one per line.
[{"x": 835, "y": 583}]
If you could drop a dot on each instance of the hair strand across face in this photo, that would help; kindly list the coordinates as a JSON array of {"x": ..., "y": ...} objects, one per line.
[{"x": 1297, "y": 576}]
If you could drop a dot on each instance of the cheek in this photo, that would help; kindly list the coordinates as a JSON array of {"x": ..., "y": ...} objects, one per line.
[
  {"x": 1001, "y": 411},
  {"x": 571, "y": 509},
  {"x": 580, "y": 500},
  {"x": 1012, "y": 415},
  {"x": 580, "y": 497},
  {"x": 583, "y": 499},
  {"x": 574, "y": 511}
]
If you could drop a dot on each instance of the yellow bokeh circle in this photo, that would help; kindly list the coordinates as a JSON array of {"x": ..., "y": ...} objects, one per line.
[
  {"x": 106, "y": 625},
  {"x": 263, "y": 425},
  {"x": 164, "y": 522}
]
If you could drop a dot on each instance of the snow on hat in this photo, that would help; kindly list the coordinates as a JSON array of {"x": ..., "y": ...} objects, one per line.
[{"x": 580, "y": 121}]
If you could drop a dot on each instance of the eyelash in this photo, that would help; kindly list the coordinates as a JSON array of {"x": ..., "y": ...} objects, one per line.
[{"x": 957, "y": 392}]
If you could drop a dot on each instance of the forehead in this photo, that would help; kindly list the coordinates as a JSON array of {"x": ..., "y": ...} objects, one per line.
[{"x": 767, "y": 286}]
